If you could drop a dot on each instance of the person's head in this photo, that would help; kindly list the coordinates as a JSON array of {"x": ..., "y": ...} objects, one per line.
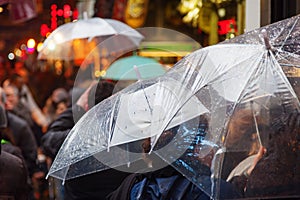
[
  {"x": 60, "y": 100},
  {"x": 12, "y": 96},
  {"x": 242, "y": 133},
  {"x": 278, "y": 171},
  {"x": 15, "y": 79},
  {"x": 100, "y": 91},
  {"x": 3, "y": 118}
]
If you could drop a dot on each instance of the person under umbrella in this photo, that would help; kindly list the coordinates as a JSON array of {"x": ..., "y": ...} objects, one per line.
[
  {"x": 168, "y": 183},
  {"x": 279, "y": 164},
  {"x": 242, "y": 75},
  {"x": 93, "y": 186}
]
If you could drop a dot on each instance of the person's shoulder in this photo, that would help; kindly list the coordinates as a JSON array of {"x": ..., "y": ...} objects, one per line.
[
  {"x": 13, "y": 119},
  {"x": 123, "y": 191},
  {"x": 12, "y": 149},
  {"x": 63, "y": 121},
  {"x": 10, "y": 159}
]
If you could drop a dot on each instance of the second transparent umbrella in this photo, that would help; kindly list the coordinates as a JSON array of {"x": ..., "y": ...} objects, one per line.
[
  {"x": 80, "y": 39},
  {"x": 213, "y": 83}
]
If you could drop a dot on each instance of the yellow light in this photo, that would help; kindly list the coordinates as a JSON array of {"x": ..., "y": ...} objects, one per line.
[
  {"x": 222, "y": 12},
  {"x": 1, "y": 9},
  {"x": 18, "y": 52},
  {"x": 186, "y": 5},
  {"x": 232, "y": 35},
  {"x": 99, "y": 73},
  {"x": 39, "y": 46},
  {"x": 58, "y": 67},
  {"x": 191, "y": 15},
  {"x": 31, "y": 43}
]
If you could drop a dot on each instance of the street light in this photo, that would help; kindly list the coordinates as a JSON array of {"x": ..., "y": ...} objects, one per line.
[{"x": 30, "y": 45}]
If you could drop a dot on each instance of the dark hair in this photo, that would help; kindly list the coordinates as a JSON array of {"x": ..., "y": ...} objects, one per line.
[
  {"x": 102, "y": 90},
  {"x": 280, "y": 165},
  {"x": 2, "y": 96},
  {"x": 16, "y": 80}
]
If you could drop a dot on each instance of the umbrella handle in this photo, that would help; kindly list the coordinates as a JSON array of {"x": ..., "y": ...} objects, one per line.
[
  {"x": 256, "y": 125},
  {"x": 266, "y": 39}
]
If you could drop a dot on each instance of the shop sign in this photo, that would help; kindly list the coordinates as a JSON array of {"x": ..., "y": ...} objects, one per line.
[{"x": 227, "y": 26}]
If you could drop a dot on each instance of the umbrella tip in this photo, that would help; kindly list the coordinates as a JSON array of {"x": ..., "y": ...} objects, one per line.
[
  {"x": 137, "y": 72},
  {"x": 266, "y": 39}
]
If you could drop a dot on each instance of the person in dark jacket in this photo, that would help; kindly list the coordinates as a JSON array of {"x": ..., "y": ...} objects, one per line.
[
  {"x": 23, "y": 137},
  {"x": 25, "y": 140},
  {"x": 13, "y": 172},
  {"x": 277, "y": 173},
  {"x": 96, "y": 185},
  {"x": 13, "y": 177},
  {"x": 14, "y": 105},
  {"x": 167, "y": 182}
]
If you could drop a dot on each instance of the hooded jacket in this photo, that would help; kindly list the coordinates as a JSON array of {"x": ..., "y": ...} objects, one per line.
[{"x": 13, "y": 181}]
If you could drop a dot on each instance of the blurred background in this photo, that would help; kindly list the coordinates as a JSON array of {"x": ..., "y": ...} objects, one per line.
[{"x": 25, "y": 24}]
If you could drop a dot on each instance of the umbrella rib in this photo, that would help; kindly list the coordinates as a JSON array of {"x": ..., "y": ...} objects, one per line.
[
  {"x": 138, "y": 74},
  {"x": 148, "y": 103},
  {"x": 217, "y": 77},
  {"x": 256, "y": 126},
  {"x": 110, "y": 127},
  {"x": 289, "y": 32},
  {"x": 239, "y": 98}
]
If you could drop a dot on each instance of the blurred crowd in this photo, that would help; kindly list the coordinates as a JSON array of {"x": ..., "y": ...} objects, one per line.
[
  {"x": 32, "y": 100},
  {"x": 38, "y": 111}
]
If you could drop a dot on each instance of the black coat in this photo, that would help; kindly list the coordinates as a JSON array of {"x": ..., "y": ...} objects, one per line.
[
  {"x": 13, "y": 177},
  {"x": 25, "y": 140},
  {"x": 93, "y": 186},
  {"x": 58, "y": 131},
  {"x": 12, "y": 149}
]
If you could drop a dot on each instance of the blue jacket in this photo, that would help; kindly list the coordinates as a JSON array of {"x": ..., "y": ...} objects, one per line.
[{"x": 169, "y": 184}]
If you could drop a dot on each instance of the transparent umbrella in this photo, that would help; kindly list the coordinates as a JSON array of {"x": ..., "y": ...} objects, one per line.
[
  {"x": 283, "y": 39},
  {"x": 216, "y": 83},
  {"x": 75, "y": 40}
]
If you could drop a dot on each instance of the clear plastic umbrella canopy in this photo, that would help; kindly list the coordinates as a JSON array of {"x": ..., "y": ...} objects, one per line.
[
  {"x": 283, "y": 39},
  {"x": 75, "y": 40},
  {"x": 200, "y": 99}
]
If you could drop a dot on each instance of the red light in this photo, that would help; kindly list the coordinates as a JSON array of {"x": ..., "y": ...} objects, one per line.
[
  {"x": 53, "y": 25},
  {"x": 67, "y": 10},
  {"x": 30, "y": 50},
  {"x": 44, "y": 30},
  {"x": 53, "y": 7},
  {"x": 60, "y": 12},
  {"x": 53, "y": 13},
  {"x": 75, "y": 14},
  {"x": 225, "y": 26}
]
